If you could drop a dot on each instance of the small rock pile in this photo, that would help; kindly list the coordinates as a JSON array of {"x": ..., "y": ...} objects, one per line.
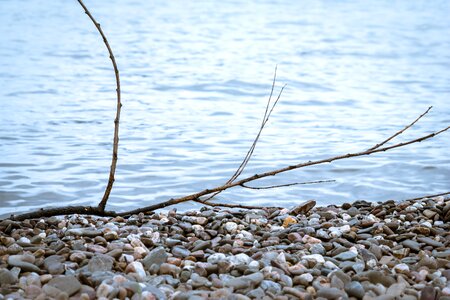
[{"x": 361, "y": 250}]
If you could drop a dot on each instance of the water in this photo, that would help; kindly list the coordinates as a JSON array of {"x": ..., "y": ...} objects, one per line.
[{"x": 195, "y": 79}]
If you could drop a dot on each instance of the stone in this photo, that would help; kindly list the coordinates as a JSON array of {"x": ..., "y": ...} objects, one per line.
[
  {"x": 240, "y": 259},
  {"x": 169, "y": 269},
  {"x": 359, "y": 267},
  {"x": 100, "y": 262},
  {"x": 231, "y": 227},
  {"x": 428, "y": 293},
  {"x": 67, "y": 284},
  {"x": 317, "y": 249},
  {"x": 77, "y": 257},
  {"x": 330, "y": 293},
  {"x": 257, "y": 293},
  {"x": 106, "y": 291},
  {"x": 353, "y": 211},
  {"x": 271, "y": 287},
  {"x": 354, "y": 289},
  {"x": 289, "y": 220},
  {"x": 396, "y": 290},
  {"x": 201, "y": 245},
  {"x": 379, "y": 277},
  {"x": 347, "y": 255},
  {"x": 430, "y": 241},
  {"x": 137, "y": 268},
  {"x": 376, "y": 250},
  {"x": 317, "y": 258},
  {"x": 8, "y": 277},
  {"x": 54, "y": 264},
  {"x": 83, "y": 232},
  {"x": 157, "y": 293},
  {"x": 180, "y": 252},
  {"x": 413, "y": 245},
  {"x": 303, "y": 208},
  {"x": 215, "y": 258},
  {"x": 401, "y": 268},
  {"x": 245, "y": 281},
  {"x": 18, "y": 261},
  {"x": 304, "y": 279},
  {"x": 155, "y": 257}
]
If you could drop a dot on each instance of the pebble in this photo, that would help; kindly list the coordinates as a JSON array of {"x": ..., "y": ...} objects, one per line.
[
  {"x": 231, "y": 227},
  {"x": 8, "y": 277},
  {"x": 355, "y": 289},
  {"x": 347, "y": 255},
  {"x": 314, "y": 257},
  {"x": 155, "y": 257},
  {"x": 19, "y": 261},
  {"x": 100, "y": 262},
  {"x": 67, "y": 284}
]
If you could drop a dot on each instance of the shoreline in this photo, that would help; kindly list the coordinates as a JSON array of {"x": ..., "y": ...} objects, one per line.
[{"x": 362, "y": 250}]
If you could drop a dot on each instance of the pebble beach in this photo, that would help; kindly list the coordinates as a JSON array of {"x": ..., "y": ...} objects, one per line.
[{"x": 360, "y": 250}]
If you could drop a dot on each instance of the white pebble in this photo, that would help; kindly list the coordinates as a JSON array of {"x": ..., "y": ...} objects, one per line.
[
  {"x": 231, "y": 227},
  {"x": 216, "y": 257},
  {"x": 401, "y": 268},
  {"x": 315, "y": 257},
  {"x": 330, "y": 265}
]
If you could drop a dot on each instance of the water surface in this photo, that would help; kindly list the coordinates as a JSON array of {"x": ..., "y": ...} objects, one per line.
[{"x": 196, "y": 76}]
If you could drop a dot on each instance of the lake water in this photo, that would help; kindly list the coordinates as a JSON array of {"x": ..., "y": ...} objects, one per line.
[{"x": 196, "y": 76}]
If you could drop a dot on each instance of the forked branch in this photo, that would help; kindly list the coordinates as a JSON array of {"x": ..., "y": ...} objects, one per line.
[{"x": 268, "y": 111}]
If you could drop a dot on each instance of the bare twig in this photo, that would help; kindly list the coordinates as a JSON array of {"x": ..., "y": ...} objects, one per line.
[
  {"x": 231, "y": 205},
  {"x": 252, "y": 148},
  {"x": 265, "y": 119},
  {"x": 401, "y": 131},
  {"x": 112, "y": 171},
  {"x": 284, "y": 185}
]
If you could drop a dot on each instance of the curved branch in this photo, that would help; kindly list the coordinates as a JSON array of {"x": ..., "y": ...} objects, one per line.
[{"x": 112, "y": 171}]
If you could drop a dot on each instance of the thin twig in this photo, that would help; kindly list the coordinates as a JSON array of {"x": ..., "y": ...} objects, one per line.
[
  {"x": 252, "y": 148},
  {"x": 284, "y": 185},
  {"x": 267, "y": 114},
  {"x": 401, "y": 131},
  {"x": 265, "y": 119},
  {"x": 231, "y": 205},
  {"x": 112, "y": 171}
]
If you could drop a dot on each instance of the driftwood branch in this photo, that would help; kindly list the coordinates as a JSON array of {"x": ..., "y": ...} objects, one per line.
[{"x": 112, "y": 170}]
